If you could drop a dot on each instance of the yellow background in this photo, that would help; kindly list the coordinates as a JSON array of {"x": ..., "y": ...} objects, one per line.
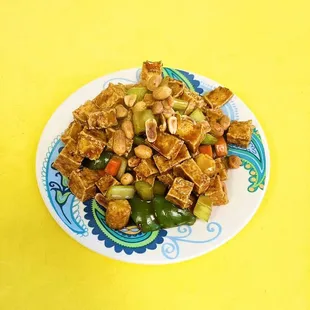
[{"x": 260, "y": 49}]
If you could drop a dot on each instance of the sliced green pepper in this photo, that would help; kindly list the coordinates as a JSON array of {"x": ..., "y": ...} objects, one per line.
[{"x": 99, "y": 163}]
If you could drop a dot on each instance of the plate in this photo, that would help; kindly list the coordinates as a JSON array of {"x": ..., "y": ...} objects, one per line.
[{"x": 85, "y": 222}]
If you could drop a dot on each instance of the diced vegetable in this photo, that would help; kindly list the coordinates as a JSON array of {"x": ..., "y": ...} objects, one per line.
[
  {"x": 139, "y": 118},
  {"x": 203, "y": 208},
  {"x": 179, "y": 105},
  {"x": 139, "y": 91},
  {"x": 206, "y": 149},
  {"x": 159, "y": 188},
  {"x": 121, "y": 192},
  {"x": 197, "y": 115},
  {"x": 122, "y": 168},
  {"x": 144, "y": 190},
  {"x": 221, "y": 147},
  {"x": 138, "y": 140},
  {"x": 143, "y": 214},
  {"x": 206, "y": 163},
  {"x": 168, "y": 215},
  {"x": 209, "y": 139},
  {"x": 99, "y": 163},
  {"x": 113, "y": 166}
]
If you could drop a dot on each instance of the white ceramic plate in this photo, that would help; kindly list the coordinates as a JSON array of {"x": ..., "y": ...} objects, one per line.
[{"x": 85, "y": 222}]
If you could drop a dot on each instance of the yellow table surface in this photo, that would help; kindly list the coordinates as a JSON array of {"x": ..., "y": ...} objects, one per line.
[{"x": 260, "y": 49}]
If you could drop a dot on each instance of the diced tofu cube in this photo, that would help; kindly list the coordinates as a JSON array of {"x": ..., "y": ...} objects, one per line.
[
  {"x": 214, "y": 115},
  {"x": 118, "y": 213},
  {"x": 218, "y": 96},
  {"x": 163, "y": 164},
  {"x": 72, "y": 132},
  {"x": 102, "y": 119},
  {"x": 167, "y": 145},
  {"x": 191, "y": 171},
  {"x": 240, "y": 133},
  {"x": 68, "y": 159},
  {"x": 221, "y": 168},
  {"x": 82, "y": 183},
  {"x": 179, "y": 192},
  {"x": 81, "y": 114},
  {"x": 217, "y": 192},
  {"x": 150, "y": 68},
  {"x": 105, "y": 182},
  {"x": 146, "y": 168},
  {"x": 91, "y": 143},
  {"x": 111, "y": 96},
  {"x": 150, "y": 179},
  {"x": 191, "y": 133},
  {"x": 167, "y": 178}
]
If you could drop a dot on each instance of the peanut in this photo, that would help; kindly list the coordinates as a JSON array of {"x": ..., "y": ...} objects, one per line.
[
  {"x": 162, "y": 92},
  {"x": 119, "y": 142},
  {"x": 172, "y": 124},
  {"x": 163, "y": 125},
  {"x": 143, "y": 151},
  {"x": 139, "y": 106},
  {"x": 234, "y": 162},
  {"x": 130, "y": 100},
  {"x": 153, "y": 82},
  {"x": 225, "y": 122},
  {"x": 133, "y": 161},
  {"x": 151, "y": 130},
  {"x": 157, "y": 107},
  {"x": 126, "y": 179},
  {"x": 216, "y": 129},
  {"x": 127, "y": 127},
  {"x": 121, "y": 111}
]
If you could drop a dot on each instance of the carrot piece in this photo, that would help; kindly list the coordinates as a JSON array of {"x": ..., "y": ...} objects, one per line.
[
  {"x": 113, "y": 166},
  {"x": 206, "y": 149},
  {"x": 221, "y": 147}
]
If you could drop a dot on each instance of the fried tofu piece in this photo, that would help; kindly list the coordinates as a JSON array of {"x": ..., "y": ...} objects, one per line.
[
  {"x": 191, "y": 133},
  {"x": 191, "y": 171},
  {"x": 221, "y": 168},
  {"x": 146, "y": 168},
  {"x": 179, "y": 192},
  {"x": 167, "y": 178},
  {"x": 214, "y": 115},
  {"x": 163, "y": 164},
  {"x": 81, "y": 114},
  {"x": 240, "y": 133},
  {"x": 102, "y": 119},
  {"x": 110, "y": 97},
  {"x": 150, "y": 179},
  {"x": 218, "y": 96},
  {"x": 194, "y": 100},
  {"x": 118, "y": 214},
  {"x": 91, "y": 143},
  {"x": 167, "y": 145},
  {"x": 68, "y": 159},
  {"x": 217, "y": 192},
  {"x": 82, "y": 183},
  {"x": 105, "y": 182},
  {"x": 71, "y": 132},
  {"x": 150, "y": 68}
]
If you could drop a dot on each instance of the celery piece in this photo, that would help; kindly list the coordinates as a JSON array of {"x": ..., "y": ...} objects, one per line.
[
  {"x": 122, "y": 168},
  {"x": 140, "y": 91},
  {"x": 179, "y": 105},
  {"x": 139, "y": 118},
  {"x": 197, "y": 115},
  {"x": 209, "y": 139},
  {"x": 144, "y": 190},
  {"x": 203, "y": 208},
  {"x": 121, "y": 192}
]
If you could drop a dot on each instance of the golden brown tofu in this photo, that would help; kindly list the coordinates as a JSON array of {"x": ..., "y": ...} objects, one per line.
[
  {"x": 191, "y": 133},
  {"x": 179, "y": 192},
  {"x": 81, "y": 114},
  {"x": 217, "y": 192},
  {"x": 146, "y": 168},
  {"x": 105, "y": 182},
  {"x": 214, "y": 115},
  {"x": 191, "y": 171},
  {"x": 150, "y": 68},
  {"x": 240, "y": 133},
  {"x": 71, "y": 132},
  {"x": 91, "y": 143},
  {"x": 110, "y": 97},
  {"x": 118, "y": 214},
  {"x": 221, "y": 168},
  {"x": 167, "y": 178},
  {"x": 163, "y": 164},
  {"x": 195, "y": 100},
  {"x": 82, "y": 183},
  {"x": 218, "y": 96},
  {"x": 150, "y": 179},
  {"x": 167, "y": 145},
  {"x": 68, "y": 159},
  {"x": 102, "y": 119}
]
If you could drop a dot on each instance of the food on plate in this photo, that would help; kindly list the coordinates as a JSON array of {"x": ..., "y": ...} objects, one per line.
[{"x": 154, "y": 152}]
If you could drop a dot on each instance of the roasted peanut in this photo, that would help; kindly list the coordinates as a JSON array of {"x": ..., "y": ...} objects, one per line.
[
  {"x": 121, "y": 111},
  {"x": 151, "y": 130},
  {"x": 206, "y": 126},
  {"x": 126, "y": 179},
  {"x": 163, "y": 125},
  {"x": 139, "y": 106},
  {"x": 119, "y": 142},
  {"x": 153, "y": 82},
  {"x": 130, "y": 100},
  {"x": 162, "y": 92},
  {"x": 157, "y": 107},
  {"x": 172, "y": 124},
  {"x": 225, "y": 122},
  {"x": 133, "y": 161},
  {"x": 143, "y": 151},
  {"x": 168, "y": 112},
  {"x": 216, "y": 129},
  {"x": 234, "y": 162},
  {"x": 127, "y": 127},
  {"x": 101, "y": 200}
]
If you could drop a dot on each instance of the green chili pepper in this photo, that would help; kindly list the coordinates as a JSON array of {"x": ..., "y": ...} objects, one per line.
[
  {"x": 99, "y": 163},
  {"x": 143, "y": 214},
  {"x": 209, "y": 139}
]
